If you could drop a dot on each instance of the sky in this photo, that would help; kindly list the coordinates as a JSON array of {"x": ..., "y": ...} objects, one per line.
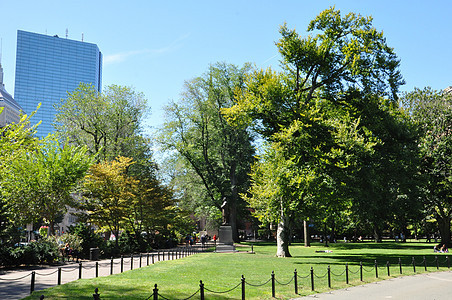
[{"x": 154, "y": 46}]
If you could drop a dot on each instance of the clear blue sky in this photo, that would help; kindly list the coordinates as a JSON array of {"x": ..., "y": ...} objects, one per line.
[{"x": 155, "y": 46}]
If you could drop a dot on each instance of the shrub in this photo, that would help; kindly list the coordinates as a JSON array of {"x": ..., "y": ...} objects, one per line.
[
  {"x": 44, "y": 251},
  {"x": 89, "y": 239}
]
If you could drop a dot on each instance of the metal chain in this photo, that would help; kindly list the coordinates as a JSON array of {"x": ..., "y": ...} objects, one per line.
[
  {"x": 321, "y": 276},
  {"x": 343, "y": 272},
  {"x": 46, "y": 274},
  {"x": 19, "y": 278},
  {"x": 69, "y": 270},
  {"x": 368, "y": 270},
  {"x": 258, "y": 285},
  {"x": 223, "y": 292},
  {"x": 191, "y": 295},
  {"x": 303, "y": 277},
  {"x": 284, "y": 283}
]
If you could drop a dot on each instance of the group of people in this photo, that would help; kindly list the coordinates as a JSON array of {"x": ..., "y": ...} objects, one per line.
[{"x": 441, "y": 248}]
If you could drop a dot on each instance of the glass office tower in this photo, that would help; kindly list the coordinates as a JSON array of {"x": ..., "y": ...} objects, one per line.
[{"x": 47, "y": 68}]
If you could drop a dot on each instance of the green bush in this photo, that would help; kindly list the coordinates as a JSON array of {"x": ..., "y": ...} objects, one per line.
[
  {"x": 89, "y": 239},
  {"x": 44, "y": 251}
]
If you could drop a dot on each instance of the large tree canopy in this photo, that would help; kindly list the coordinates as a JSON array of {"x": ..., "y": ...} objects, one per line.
[
  {"x": 108, "y": 123},
  {"x": 307, "y": 111},
  {"x": 39, "y": 183},
  {"x": 432, "y": 112},
  {"x": 219, "y": 154}
]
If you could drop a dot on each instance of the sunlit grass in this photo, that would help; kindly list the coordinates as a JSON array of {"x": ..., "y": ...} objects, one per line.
[{"x": 219, "y": 272}]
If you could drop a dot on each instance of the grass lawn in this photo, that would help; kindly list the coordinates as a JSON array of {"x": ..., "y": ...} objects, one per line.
[{"x": 219, "y": 272}]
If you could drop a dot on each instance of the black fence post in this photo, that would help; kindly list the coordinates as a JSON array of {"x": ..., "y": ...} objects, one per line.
[
  {"x": 32, "y": 286},
  {"x": 243, "y": 288},
  {"x": 376, "y": 269},
  {"x": 252, "y": 248},
  {"x": 59, "y": 276},
  {"x": 201, "y": 289},
  {"x": 141, "y": 256},
  {"x": 96, "y": 295},
  {"x": 436, "y": 261},
  {"x": 295, "y": 278},
  {"x": 155, "y": 293},
  {"x": 80, "y": 270},
  {"x": 152, "y": 258},
  {"x": 448, "y": 262},
  {"x": 329, "y": 277},
  {"x": 111, "y": 266},
  {"x": 425, "y": 264},
  {"x": 122, "y": 263},
  {"x": 414, "y": 265},
  {"x": 387, "y": 266},
  {"x": 361, "y": 270},
  {"x": 97, "y": 269},
  {"x": 158, "y": 255},
  {"x": 312, "y": 279},
  {"x": 131, "y": 262},
  {"x": 400, "y": 265},
  {"x": 346, "y": 273},
  {"x": 273, "y": 284}
]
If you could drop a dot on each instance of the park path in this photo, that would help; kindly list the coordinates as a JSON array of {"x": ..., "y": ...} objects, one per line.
[
  {"x": 16, "y": 284},
  {"x": 426, "y": 286}
]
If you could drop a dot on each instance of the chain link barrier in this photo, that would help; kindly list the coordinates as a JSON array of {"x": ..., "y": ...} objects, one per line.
[
  {"x": 18, "y": 278},
  {"x": 47, "y": 274},
  {"x": 223, "y": 292},
  {"x": 285, "y": 283},
  {"x": 316, "y": 276},
  {"x": 343, "y": 272},
  {"x": 257, "y": 285}
]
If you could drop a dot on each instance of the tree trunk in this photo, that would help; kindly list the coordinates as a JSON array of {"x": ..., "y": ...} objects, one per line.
[
  {"x": 377, "y": 234},
  {"x": 233, "y": 221},
  {"x": 51, "y": 231},
  {"x": 444, "y": 229},
  {"x": 307, "y": 237},
  {"x": 233, "y": 207},
  {"x": 282, "y": 237}
]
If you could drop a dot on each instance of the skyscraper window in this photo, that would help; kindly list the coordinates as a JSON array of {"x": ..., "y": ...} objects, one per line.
[{"x": 47, "y": 68}]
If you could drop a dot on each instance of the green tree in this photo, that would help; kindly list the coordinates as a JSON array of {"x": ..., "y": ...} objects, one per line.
[
  {"x": 219, "y": 154},
  {"x": 15, "y": 139},
  {"x": 432, "y": 112},
  {"x": 306, "y": 111},
  {"x": 107, "y": 123},
  {"x": 108, "y": 194},
  {"x": 39, "y": 183}
]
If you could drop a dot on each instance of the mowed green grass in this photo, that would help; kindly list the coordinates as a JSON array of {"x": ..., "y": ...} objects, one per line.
[{"x": 219, "y": 272}]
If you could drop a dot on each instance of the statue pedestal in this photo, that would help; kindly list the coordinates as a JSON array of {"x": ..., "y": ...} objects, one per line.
[{"x": 226, "y": 244}]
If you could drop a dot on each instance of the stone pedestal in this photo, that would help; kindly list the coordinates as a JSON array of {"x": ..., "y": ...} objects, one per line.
[{"x": 226, "y": 244}]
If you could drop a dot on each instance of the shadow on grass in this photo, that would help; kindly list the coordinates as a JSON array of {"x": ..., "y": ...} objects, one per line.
[{"x": 383, "y": 245}]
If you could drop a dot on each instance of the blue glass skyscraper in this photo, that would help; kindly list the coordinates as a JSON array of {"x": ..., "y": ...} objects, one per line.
[{"x": 47, "y": 68}]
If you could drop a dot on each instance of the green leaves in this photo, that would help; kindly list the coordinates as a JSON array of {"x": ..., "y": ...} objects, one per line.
[
  {"x": 107, "y": 123},
  {"x": 38, "y": 183}
]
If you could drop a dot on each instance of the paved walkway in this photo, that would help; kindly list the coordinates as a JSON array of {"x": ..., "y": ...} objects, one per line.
[
  {"x": 429, "y": 286},
  {"x": 16, "y": 284}
]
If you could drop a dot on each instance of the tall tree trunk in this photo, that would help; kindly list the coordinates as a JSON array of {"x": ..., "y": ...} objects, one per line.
[
  {"x": 233, "y": 221},
  {"x": 233, "y": 207},
  {"x": 307, "y": 237},
  {"x": 444, "y": 229},
  {"x": 51, "y": 231},
  {"x": 377, "y": 234},
  {"x": 282, "y": 236}
]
